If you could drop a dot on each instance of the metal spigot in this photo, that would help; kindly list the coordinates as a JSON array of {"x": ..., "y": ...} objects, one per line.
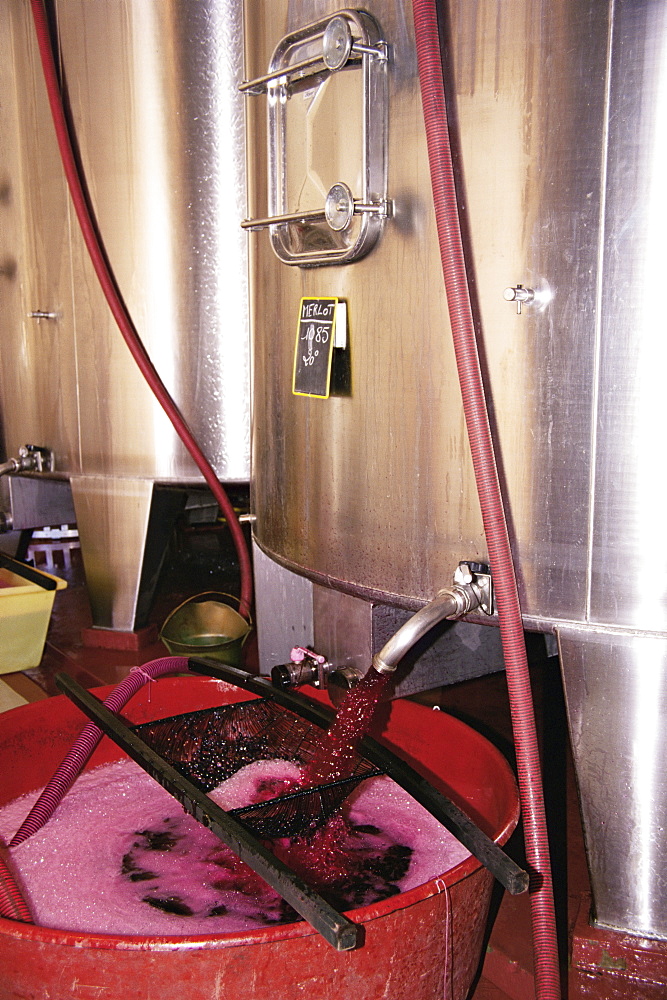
[
  {"x": 32, "y": 458},
  {"x": 341, "y": 681},
  {"x": 43, "y": 314},
  {"x": 308, "y": 667},
  {"x": 305, "y": 667}
]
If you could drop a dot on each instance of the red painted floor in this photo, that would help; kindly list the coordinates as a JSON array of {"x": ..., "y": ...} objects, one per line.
[{"x": 507, "y": 968}]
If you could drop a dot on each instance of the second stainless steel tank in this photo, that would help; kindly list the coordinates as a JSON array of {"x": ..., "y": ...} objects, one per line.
[{"x": 152, "y": 90}]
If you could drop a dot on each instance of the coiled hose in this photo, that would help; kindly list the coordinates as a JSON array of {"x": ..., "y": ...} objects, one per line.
[
  {"x": 547, "y": 976},
  {"x": 119, "y": 311},
  {"x": 12, "y": 904}
]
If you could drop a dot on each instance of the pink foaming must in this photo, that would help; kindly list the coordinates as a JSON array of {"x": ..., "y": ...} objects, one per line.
[
  {"x": 131, "y": 894},
  {"x": 121, "y": 856}
]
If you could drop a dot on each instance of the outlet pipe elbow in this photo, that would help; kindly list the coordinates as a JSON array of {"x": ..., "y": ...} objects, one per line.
[{"x": 453, "y": 602}]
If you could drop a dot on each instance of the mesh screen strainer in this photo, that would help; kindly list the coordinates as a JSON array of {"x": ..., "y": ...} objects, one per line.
[{"x": 210, "y": 745}]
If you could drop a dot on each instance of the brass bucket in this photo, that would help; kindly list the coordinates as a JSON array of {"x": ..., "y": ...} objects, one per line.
[{"x": 212, "y": 628}]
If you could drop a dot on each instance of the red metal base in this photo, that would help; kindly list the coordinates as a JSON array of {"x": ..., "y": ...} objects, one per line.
[
  {"x": 611, "y": 965},
  {"x": 107, "y": 638}
]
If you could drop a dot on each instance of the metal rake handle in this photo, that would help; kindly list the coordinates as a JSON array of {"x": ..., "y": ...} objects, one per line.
[{"x": 340, "y": 932}]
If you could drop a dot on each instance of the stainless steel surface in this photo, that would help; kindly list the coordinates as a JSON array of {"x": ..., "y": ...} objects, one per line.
[
  {"x": 372, "y": 491},
  {"x": 561, "y": 118},
  {"x": 284, "y": 611},
  {"x": 160, "y": 130},
  {"x": 124, "y": 527},
  {"x": 630, "y": 359},
  {"x": 616, "y": 691},
  {"x": 38, "y": 366},
  {"x": 343, "y": 628},
  {"x": 112, "y": 518},
  {"x": 36, "y": 501},
  {"x": 166, "y": 176},
  {"x": 153, "y": 91},
  {"x": 574, "y": 381}
]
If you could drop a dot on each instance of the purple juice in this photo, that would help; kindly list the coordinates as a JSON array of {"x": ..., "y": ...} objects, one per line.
[
  {"x": 334, "y": 757},
  {"x": 120, "y": 856}
]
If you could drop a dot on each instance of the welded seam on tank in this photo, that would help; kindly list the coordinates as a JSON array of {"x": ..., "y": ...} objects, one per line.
[{"x": 595, "y": 402}]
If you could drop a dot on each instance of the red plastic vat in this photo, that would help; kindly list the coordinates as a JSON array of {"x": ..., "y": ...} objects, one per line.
[{"x": 421, "y": 945}]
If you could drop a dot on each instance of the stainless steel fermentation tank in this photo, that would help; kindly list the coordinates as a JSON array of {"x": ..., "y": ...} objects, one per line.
[
  {"x": 152, "y": 88},
  {"x": 365, "y": 500}
]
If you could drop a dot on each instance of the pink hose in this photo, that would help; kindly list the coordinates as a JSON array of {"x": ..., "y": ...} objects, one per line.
[
  {"x": 547, "y": 976},
  {"x": 12, "y": 904},
  {"x": 119, "y": 311},
  {"x": 82, "y": 748}
]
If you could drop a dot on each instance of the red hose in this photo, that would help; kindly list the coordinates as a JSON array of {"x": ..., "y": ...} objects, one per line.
[
  {"x": 119, "y": 310},
  {"x": 547, "y": 976}
]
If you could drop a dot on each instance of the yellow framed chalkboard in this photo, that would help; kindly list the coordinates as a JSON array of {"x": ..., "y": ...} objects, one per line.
[{"x": 313, "y": 350}]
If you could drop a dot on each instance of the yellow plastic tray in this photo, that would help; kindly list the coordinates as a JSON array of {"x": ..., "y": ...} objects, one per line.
[{"x": 25, "y": 613}]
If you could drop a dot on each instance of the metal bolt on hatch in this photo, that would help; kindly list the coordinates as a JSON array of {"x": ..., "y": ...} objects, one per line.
[
  {"x": 339, "y": 207},
  {"x": 336, "y": 43}
]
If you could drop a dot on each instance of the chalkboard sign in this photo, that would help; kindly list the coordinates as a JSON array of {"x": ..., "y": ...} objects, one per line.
[{"x": 314, "y": 347}]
